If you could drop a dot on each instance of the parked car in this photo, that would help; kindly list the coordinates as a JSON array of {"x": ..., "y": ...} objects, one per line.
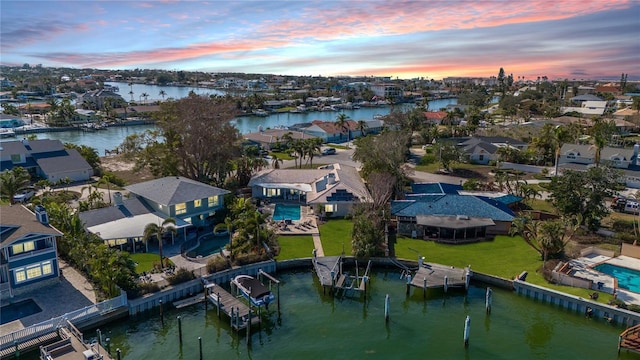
[
  {"x": 24, "y": 195},
  {"x": 329, "y": 151}
]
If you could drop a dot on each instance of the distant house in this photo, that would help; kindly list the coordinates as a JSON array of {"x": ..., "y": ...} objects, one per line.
[
  {"x": 97, "y": 99},
  {"x": 579, "y": 157},
  {"x": 28, "y": 252},
  {"x": 335, "y": 188},
  {"x": 10, "y": 121},
  {"x": 268, "y": 138},
  {"x": 588, "y": 107},
  {"x": 482, "y": 149},
  {"x": 330, "y": 131},
  {"x": 189, "y": 202},
  {"x": 434, "y": 117},
  {"x": 446, "y": 213},
  {"x": 45, "y": 158}
]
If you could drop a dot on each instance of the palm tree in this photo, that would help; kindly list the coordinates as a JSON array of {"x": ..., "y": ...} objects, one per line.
[
  {"x": 12, "y": 181},
  {"x": 362, "y": 127},
  {"x": 312, "y": 147},
  {"x": 106, "y": 180},
  {"x": 275, "y": 162},
  {"x": 158, "y": 231},
  {"x": 341, "y": 121},
  {"x": 145, "y": 96},
  {"x": 163, "y": 94}
]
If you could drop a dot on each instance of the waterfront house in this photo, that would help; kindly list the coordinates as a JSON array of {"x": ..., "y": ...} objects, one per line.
[
  {"x": 45, "y": 158},
  {"x": 434, "y": 117},
  {"x": 189, "y": 202},
  {"x": 579, "y": 157},
  {"x": 446, "y": 213},
  {"x": 482, "y": 149},
  {"x": 330, "y": 131},
  {"x": 28, "y": 252},
  {"x": 335, "y": 188},
  {"x": 97, "y": 99},
  {"x": 267, "y": 139}
]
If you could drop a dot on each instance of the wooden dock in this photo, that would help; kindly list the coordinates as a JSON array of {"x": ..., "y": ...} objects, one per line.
[
  {"x": 239, "y": 313},
  {"x": 31, "y": 344},
  {"x": 189, "y": 301},
  {"x": 435, "y": 275},
  {"x": 630, "y": 339},
  {"x": 328, "y": 269}
]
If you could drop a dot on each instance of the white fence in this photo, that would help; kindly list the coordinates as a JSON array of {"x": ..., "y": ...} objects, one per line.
[{"x": 45, "y": 327}]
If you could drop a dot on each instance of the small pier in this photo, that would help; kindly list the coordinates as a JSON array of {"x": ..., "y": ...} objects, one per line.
[
  {"x": 630, "y": 339},
  {"x": 330, "y": 272},
  {"x": 430, "y": 275},
  {"x": 72, "y": 347},
  {"x": 239, "y": 313}
]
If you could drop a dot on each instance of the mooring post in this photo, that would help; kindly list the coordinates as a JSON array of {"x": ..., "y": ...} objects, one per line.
[
  {"x": 424, "y": 287},
  {"x": 180, "y": 329},
  {"x": 231, "y": 316},
  {"x": 108, "y": 342},
  {"x": 408, "y": 283},
  {"x": 467, "y": 326},
  {"x": 487, "y": 301},
  {"x": 446, "y": 283},
  {"x": 278, "y": 295},
  {"x": 218, "y": 303},
  {"x": 200, "y": 344},
  {"x": 99, "y": 335},
  {"x": 161, "y": 314},
  {"x": 386, "y": 308},
  {"x": 249, "y": 328},
  {"x": 333, "y": 280},
  {"x": 467, "y": 278},
  {"x": 17, "y": 352},
  {"x": 118, "y": 354}
]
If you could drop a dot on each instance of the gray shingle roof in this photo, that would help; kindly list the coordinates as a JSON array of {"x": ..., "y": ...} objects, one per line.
[
  {"x": 130, "y": 207},
  {"x": 45, "y": 145},
  {"x": 451, "y": 205},
  {"x": 17, "y": 221},
  {"x": 73, "y": 161},
  {"x": 173, "y": 190}
]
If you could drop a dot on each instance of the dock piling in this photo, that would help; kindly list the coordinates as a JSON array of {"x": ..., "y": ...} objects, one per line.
[
  {"x": 467, "y": 328},
  {"x": 249, "y": 328},
  {"x": 424, "y": 287},
  {"x": 446, "y": 283},
  {"x": 408, "y": 283},
  {"x": 161, "y": 314},
  {"x": 488, "y": 299},
  {"x": 180, "y": 329},
  {"x": 200, "y": 344},
  {"x": 386, "y": 308},
  {"x": 118, "y": 354}
]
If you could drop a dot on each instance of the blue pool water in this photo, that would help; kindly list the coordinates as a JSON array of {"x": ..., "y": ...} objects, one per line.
[
  {"x": 18, "y": 310},
  {"x": 627, "y": 278},
  {"x": 286, "y": 212}
]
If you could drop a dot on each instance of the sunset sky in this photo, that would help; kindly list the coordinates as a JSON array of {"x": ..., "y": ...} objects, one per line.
[{"x": 574, "y": 39}]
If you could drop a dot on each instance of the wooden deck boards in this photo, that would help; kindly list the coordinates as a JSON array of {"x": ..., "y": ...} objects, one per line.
[
  {"x": 228, "y": 302},
  {"x": 630, "y": 339},
  {"x": 31, "y": 344},
  {"x": 323, "y": 266},
  {"x": 435, "y": 274}
]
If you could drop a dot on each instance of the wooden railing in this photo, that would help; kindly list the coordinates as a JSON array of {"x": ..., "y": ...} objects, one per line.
[{"x": 46, "y": 327}]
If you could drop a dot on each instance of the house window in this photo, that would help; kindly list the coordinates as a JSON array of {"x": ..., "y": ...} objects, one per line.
[
  {"x": 271, "y": 192},
  {"x": 181, "y": 208},
  {"x": 29, "y": 246},
  {"x": 34, "y": 271},
  {"x": 15, "y": 158},
  {"x": 330, "y": 208},
  {"x": 20, "y": 275},
  {"x": 571, "y": 156},
  {"x": 47, "y": 268},
  {"x": 213, "y": 201},
  {"x": 197, "y": 203},
  {"x": 22, "y": 247},
  {"x": 481, "y": 157}
]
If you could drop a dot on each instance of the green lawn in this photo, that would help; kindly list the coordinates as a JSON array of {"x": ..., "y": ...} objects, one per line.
[
  {"x": 145, "y": 261},
  {"x": 281, "y": 155},
  {"x": 334, "y": 234},
  {"x": 541, "y": 205},
  {"x": 294, "y": 247}
]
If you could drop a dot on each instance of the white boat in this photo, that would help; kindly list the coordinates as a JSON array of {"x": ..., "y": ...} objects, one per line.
[
  {"x": 253, "y": 290},
  {"x": 7, "y": 133},
  {"x": 260, "y": 112}
]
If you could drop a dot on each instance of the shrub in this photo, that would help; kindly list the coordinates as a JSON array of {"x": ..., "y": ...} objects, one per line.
[
  {"x": 182, "y": 275},
  {"x": 251, "y": 258},
  {"x": 141, "y": 289},
  {"x": 218, "y": 263},
  {"x": 428, "y": 159}
]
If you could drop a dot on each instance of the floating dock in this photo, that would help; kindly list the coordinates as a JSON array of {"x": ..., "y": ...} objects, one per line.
[
  {"x": 239, "y": 313},
  {"x": 331, "y": 275},
  {"x": 630, "y": 339},
  {"x": 430, "y": 275}
]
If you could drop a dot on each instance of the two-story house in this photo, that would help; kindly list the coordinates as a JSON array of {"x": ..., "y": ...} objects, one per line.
[
  {"x": 189, "y": 202},
  {"x": 45, "y": 158},
  {"x": 482, "y": 149},
  {"x": 28, "y": 252},
  {"x": 579, "y": 157}
]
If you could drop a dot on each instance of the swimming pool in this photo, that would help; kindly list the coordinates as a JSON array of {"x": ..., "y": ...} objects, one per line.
[
  {"x": 210, "y": 244},
  {"x": 627, "y": 278},
  {"x": 286, "y": 212},
  {"x": 18, "y": 310}
]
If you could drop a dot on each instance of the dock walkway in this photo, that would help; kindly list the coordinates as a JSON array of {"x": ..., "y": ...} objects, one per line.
[
  {"x": 435, "y": 275},
  {"x": 327, "y": 268},
  {"x": 630, "y": 339},
  {"x": 238, "y": 311}
]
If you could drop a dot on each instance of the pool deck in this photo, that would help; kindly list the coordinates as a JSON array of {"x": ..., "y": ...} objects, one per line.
[{"x": 583, "y": 268}]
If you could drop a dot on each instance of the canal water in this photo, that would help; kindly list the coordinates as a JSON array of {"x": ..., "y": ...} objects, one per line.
[
  {"x": 316, "y": 326},
  {"x": 112, "y": 137}
]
